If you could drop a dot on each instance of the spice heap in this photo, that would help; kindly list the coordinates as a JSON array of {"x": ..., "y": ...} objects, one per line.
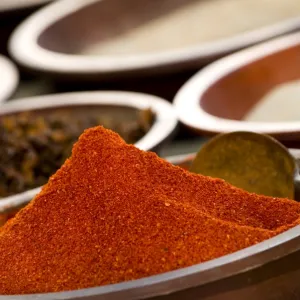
[
  {"x": 34, "y": 146},
  {"x": 114, "y": 213}
]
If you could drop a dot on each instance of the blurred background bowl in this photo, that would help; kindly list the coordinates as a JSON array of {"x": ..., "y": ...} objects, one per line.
[
  {"x": 15, "y": 5},
  {"x": 9, "y": 78},
  {"x": 256, "y": 89},
  {"x": 109, "y": 40},
  {"x": 12, "y": 12},
  {"x": 118, "y": 105}
]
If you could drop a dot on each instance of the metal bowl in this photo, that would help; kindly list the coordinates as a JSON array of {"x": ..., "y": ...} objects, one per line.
[
  {"x": 58, "y": 39},
  {"x": 121, "y": 105},
  {"x": 266, "y": 271}
]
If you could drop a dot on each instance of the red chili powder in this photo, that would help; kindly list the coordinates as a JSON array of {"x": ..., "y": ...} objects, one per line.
[{"x": 114, "y": 213}]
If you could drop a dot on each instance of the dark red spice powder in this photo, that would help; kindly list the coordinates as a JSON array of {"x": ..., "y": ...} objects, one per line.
[{"x": 114, "y": 213}]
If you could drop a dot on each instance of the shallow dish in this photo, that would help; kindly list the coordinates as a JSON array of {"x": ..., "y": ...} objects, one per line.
[
  {"x": 54, "y": 40},
  {"x": 266, "y": 271},
  {"x": 9, "y": 78},
  {"x": 222, "y": 96},
  {"x": 119, "y": 104}
]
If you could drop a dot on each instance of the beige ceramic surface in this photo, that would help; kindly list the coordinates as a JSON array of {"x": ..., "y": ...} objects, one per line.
[
  {"x": 282, "y": 103},
  {"x": 113, "y": 102},
  {"x": 194, "y": 22},
  {"x": 105, "y": 37},
  {"x": 9, "y": 78},
  {"x": 252, "y": 90},
  {"x": 8, "y": 5},
  {"x": 185, "y": 160}
]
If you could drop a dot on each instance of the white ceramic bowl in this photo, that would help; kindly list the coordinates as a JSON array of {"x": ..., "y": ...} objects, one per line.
[
  {"x": 265, "y": 271},
  {"x": 216, "y": 99},
  {"x": 162, "y": 129},
  {"x": 11, "y": 5},
  {"x": 54, "y": 39},
  {"x": 9, "y": 78}
]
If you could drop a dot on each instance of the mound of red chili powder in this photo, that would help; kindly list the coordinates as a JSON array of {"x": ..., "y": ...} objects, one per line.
[{"x": 114, "y": 213}]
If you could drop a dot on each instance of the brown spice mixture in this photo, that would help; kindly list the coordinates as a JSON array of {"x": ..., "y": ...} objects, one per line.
[{"x": 114, "y": 213}]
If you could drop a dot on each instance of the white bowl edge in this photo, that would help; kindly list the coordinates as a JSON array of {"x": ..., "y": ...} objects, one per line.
[
  {"x": 187, "y": 99},
  {"x": 17, "y": 5},
  {"x": 23, "y": 45}
]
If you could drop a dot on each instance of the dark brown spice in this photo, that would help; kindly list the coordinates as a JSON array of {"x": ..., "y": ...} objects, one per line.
[
  {"x": 114, "y": 213},
  {"x": 33, "y": 147}
]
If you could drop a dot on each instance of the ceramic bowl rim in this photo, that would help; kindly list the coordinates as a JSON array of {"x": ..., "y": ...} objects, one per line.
[
  {"x": 24, "y": 47},
  {"x": 220, "y": 268},
  {"x": 187, "y": 100},
  {"x": 164, "y": 125},
  {"x": 22, "y": 5}
]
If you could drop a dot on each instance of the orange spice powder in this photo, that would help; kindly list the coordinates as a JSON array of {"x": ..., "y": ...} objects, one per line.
[{"x": 114, "y": 213}]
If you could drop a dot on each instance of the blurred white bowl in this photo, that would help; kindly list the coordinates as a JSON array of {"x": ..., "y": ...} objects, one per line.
[
  {"x": 219, "y": 98},
  {"x": 11, "y": 5}
]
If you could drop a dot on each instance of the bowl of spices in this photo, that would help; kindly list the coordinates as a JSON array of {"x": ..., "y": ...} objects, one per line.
[
  {"x": 116, "y": 222},
  {"x": 185, "y": 160},
  {"x": 37, "y": 134},
  {"x": 18, "y": 5},
  {"x": 148, "y": 38},
  {"x": 9, "y": 77},
  {"x": 256, "y": 89},
  {"x": 270, "y": 169}
]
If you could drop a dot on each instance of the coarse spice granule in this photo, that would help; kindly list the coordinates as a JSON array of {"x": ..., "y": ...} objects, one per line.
[{"x": 114, "y": 213}]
